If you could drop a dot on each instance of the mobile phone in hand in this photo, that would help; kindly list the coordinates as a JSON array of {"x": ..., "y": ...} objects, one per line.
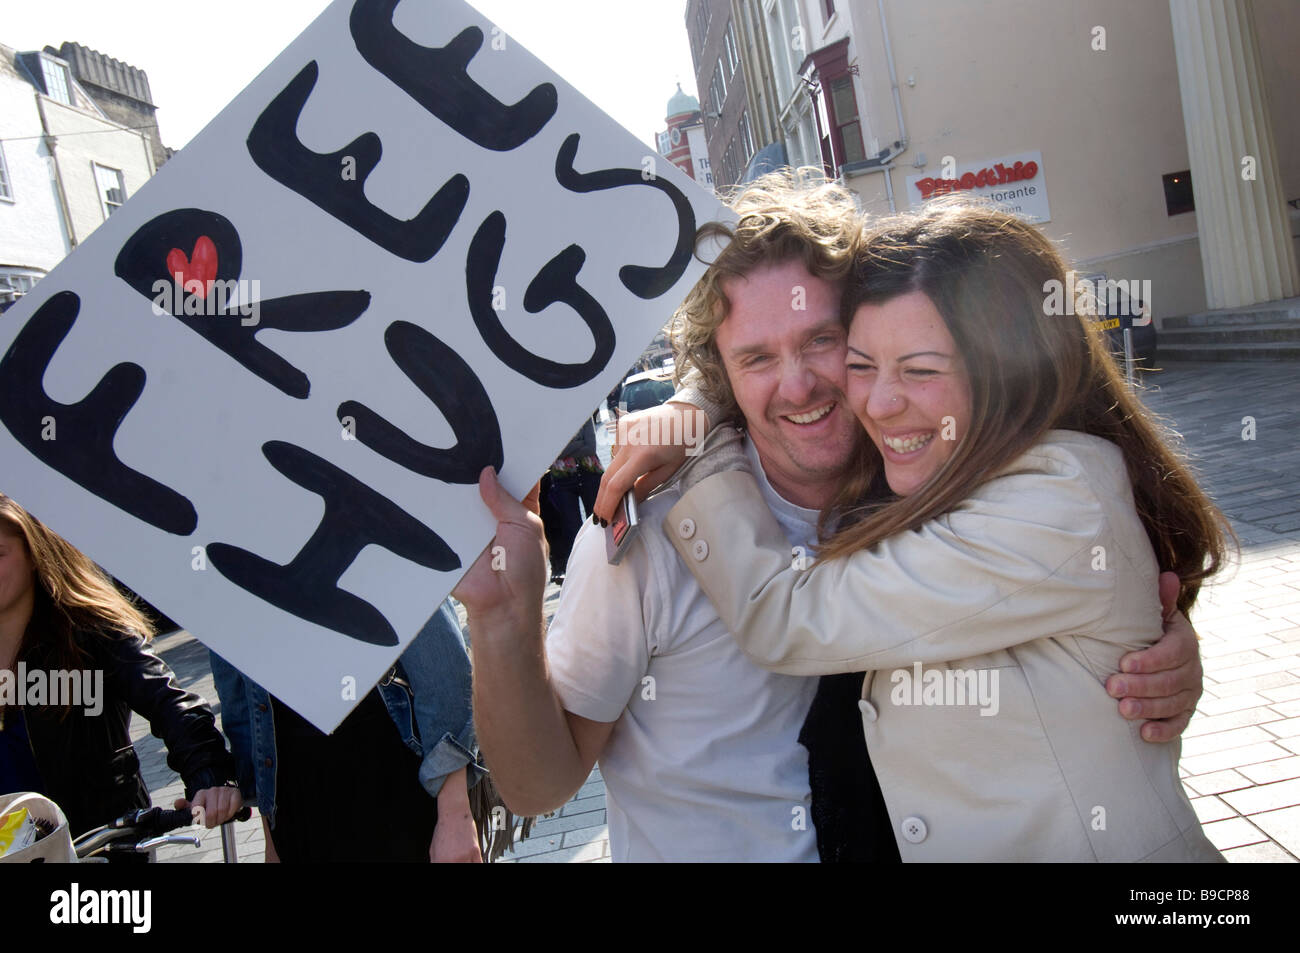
[{"x": 622, "y": 529}]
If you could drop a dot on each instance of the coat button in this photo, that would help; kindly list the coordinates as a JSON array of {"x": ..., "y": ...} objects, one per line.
[
  {"x": 914, "y": 830},
  {"x": 700, "y": 550},
  {"x": 269, "y": 763},
  {"x": 868, "y": 710},
  {"x": 686, "y": 528},
  {"x": 261, "y": 706}
]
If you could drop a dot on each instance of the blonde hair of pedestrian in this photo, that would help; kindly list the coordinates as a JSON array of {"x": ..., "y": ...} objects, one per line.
[{"x": 71, "y": 593}]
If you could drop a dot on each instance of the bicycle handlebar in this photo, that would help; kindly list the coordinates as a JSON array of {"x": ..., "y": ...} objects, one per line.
[
  {"x": 186, "y": 817},
  {"x": 141, "y": 824}
]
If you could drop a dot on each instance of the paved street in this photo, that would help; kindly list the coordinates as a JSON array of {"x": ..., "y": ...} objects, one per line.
[
  {"x": 1240, "y": 761},
  {"x": 1241, "y": 754}
]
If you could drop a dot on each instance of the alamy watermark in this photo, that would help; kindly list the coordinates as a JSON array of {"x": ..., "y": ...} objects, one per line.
[
  {"x": 946, "y": 686},
  {"x": 211, "y": 299},
  {"x": 685, "y": 429},
  {"x": 86, "y": 906},
  {"x": 1106, "y": 297},
  {"x": 77, "y": 688}
]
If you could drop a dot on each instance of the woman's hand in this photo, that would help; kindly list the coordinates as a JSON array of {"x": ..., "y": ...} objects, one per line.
[
  {"x": 455, "y": 838},
  {"x": 651, "y": 446},
  {"x": 217, "y": 804},
  {"x": 1162, "y": 683}
]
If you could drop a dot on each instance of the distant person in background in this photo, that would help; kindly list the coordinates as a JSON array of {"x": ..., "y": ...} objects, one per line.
[
  {"x": 574, "y": 476},
  {"x": 59, "y": 612}
]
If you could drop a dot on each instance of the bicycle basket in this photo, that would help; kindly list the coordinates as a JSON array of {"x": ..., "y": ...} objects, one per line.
[{"x": 54, "y": 848}]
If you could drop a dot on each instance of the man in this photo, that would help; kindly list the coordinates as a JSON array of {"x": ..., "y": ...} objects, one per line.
[{"x": 697, "y": 746}]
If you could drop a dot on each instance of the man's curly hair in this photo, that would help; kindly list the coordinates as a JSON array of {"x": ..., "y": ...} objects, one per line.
[{"x": 788, "y": 214}]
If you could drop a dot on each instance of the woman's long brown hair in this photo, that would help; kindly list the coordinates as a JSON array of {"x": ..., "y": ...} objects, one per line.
[
  {"x": 1030, "y": 371},
  {"x": 71, "y": 592}
]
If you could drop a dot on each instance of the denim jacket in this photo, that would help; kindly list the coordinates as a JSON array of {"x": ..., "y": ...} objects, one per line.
[{"x": 435, "y": 665}]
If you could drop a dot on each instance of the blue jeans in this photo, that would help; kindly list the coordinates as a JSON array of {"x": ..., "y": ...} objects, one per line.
[{"x": 439, "y": 727}]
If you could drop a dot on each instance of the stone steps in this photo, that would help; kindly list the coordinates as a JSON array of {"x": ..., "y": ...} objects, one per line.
[
  {"x": 1269, "y": 313},
  {"x": 1258, "y": 351},
  {"x": 1264, "y": 332},
  {"x": 1278, "y": 333}
]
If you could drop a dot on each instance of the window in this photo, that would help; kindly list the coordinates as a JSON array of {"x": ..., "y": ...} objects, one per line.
[
  {"x": 703, "y": 16},
  {"x": 647, "y": 393},
  {"x": 57, "y": 85},
  {"x": 835, "y": 106},
  {"x": 718, "y": 90},
  {"x": 732, "y": 51},
  {"x": 112, "y": 190},
  {"x": 829, "y": 7},
  {"x": 700, "y": 32},
  {"x": 746, "y": 137},
  {"x": 1178, "y": 193},
  {"x": 848, "y": 128},
  {"x": 6, "y": 189},
  {"x": 15, "y": 284},
  {"x": 731, "y": 166}
]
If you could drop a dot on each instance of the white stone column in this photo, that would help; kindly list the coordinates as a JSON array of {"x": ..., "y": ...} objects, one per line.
[{"x": 1244, "y": 232}]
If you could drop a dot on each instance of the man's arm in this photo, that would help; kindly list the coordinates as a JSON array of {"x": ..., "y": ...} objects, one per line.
[
  {"x": 1162, "y": 683},
  {"x": 538, "y": 753}
]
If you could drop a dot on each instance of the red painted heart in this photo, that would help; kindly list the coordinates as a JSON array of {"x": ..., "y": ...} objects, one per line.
[{"x": 196, "y": 273}]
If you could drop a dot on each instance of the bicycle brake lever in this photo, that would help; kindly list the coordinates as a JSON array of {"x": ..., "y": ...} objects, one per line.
[{"x": 165, "y": 839}]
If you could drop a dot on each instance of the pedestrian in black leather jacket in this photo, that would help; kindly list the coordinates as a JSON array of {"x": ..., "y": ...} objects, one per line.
[{"x": 59, "y": 613}]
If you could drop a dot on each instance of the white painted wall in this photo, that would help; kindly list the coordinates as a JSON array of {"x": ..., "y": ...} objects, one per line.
[
  {"x": 30, "y": 233},
  {"x": 82, "y": 140}
]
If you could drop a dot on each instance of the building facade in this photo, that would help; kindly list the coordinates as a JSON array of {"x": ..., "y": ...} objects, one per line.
[
  {"x": 65, "y": 166},
  {"x": 119, "y": 89},
  {"x": 716, "y": 37},
  {"x": 1111, "y": 105},
  {"x": 683, "y": 142}
]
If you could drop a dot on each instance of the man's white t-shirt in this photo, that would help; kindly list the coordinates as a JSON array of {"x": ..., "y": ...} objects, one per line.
[{"x": 704, "y": 763}]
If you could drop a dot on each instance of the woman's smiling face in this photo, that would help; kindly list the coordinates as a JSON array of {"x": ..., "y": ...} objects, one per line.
[{"x": 908, "y": 386}]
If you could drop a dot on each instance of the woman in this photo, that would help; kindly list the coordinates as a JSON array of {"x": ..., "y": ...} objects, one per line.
[
  {"x": 991, "y": 557},
  {"x": 60, "y": 614},
  {"x": 574, "y": 476}
]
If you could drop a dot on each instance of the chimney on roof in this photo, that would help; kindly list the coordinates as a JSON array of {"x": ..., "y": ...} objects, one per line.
[
  {"x": 93, "y": 68},
  {"x": 119, "y": 89}
]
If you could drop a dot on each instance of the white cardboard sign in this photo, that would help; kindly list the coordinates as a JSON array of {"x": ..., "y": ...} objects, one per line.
[{"x": 262, "y": 392}]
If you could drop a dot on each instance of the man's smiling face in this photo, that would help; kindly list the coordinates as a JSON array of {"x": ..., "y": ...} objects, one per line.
[{"x": 783, "y": 348}]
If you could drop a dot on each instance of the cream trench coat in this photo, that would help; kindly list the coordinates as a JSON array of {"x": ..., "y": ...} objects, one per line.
[{"x": 1030, "y": 591}]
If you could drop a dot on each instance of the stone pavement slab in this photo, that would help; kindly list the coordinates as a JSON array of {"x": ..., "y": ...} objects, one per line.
[{"x": 1241, "y": 427}]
